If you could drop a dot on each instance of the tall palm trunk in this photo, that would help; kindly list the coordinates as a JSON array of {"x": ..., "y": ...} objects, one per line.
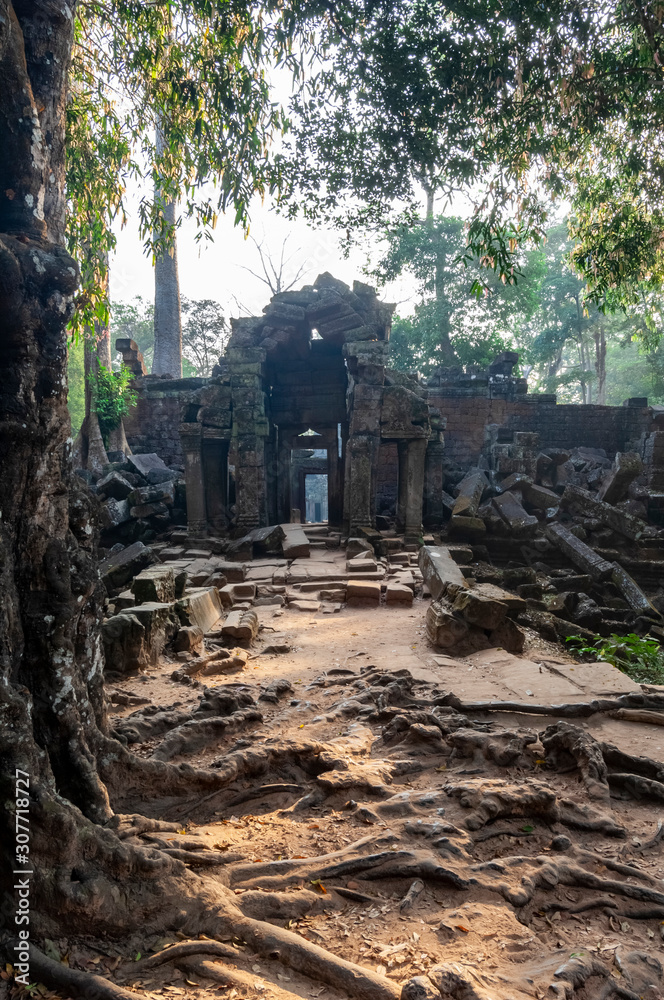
[{"x": 167, "y": 316}]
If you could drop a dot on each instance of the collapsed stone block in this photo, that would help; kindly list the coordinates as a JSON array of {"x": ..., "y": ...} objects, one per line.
[
  {"x": 242, "y": 625},
  {"x": 295, "y": 544},
  {"x": 113, "y": 513},
  {"x": 632, "y": 593},
  {"x": 123, "y": 639},
  {"x": 445, "y": 629},
  {"x": 115, "y": 485},
  {"x": 472, "y": 529},
  {"x": 363, "y": 592},
  {"x": 508, "y": 636},
  {"x": 580, "y": 501},
  {"x": 157, "y": 583},
  {"x": 120, "y": 567},
  {"x": 520, "y": 523},
  {"x": 160, "y": 623},
  {"x": 626, "y": 467},
  {"x": 477, "y": 609},
  {"x": 579, "y": 553},
  {"x": 200, "y": 607},
  {"x": 471, "y": 488},
  {"x": 439, "y": 570},
  {"x": 143, "y": 464},
  {"x": 398, "y": 593},
  {"x": 187, "y": 638}
]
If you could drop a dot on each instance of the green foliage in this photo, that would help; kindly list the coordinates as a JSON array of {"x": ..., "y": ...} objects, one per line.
[
  {"x": 450, "y": 324},
  {"x": 516, "y": 104},
  {"x": 75, "y": 383},
  {"x": 204, "y": 334},
  {"x": 642, "y": 659},
  {"x": 177, "y": 95},
  {"x": 135, "y": 320},
  {"x": 113, "y": 396}
]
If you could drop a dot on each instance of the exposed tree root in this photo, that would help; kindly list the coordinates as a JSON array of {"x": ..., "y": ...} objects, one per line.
[
  {"x": 185, "y": 949},
  {"x": 565, "y": 745},
  {"x": 73, "y": 982},
  {"x": 198, "y": 733},
  {"x": 225, "y": 976}
]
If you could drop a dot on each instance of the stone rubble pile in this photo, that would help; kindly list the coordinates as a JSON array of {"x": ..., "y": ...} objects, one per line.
[{"x": 139, "y": 496}]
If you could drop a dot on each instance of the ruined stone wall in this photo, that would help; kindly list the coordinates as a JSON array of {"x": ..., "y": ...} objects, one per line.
[
  {"x": 153, "y": 425},
  {"x": 613, "y": 428}
]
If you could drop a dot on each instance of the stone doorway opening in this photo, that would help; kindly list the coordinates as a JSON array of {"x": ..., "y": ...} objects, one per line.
[{"x": 315, "y": 498}]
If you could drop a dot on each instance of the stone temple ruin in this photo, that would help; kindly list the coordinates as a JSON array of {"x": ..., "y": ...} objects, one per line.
[{"x": 531, "y": 514}]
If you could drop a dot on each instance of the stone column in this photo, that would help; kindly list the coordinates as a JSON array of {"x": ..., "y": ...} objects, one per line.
[
  {"x": 433, "y": 482},
  {"x": 283, "y": 479},
  {"x": 414, "y": 489},
  {"x": 335, "y": 487},
  {"x": 250, "y": 430},
  {"x": 402, "y": 484},
  {"x": 191, "y": 435},
  {"x": 215, "y": 477},
  {"x": 362, "y": 453}
]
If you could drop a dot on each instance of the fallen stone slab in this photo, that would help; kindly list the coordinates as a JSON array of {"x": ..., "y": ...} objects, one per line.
[
  {"x": 123, "y": 639},
  {"x": 235, "y": 572},
  {"x": 156, "y": 583},
  {"x": 633, "y": 594},
  {"x": 360, "y": 592},
  {"x": 398, "y": 593},
  {"x": 356, "y": 545},
  {"x": 144, "y": 463},
  {"x": 520, "y": 523},
  {"x": 242, "y": 625},
  {"x": 445, "y": 629},
  {"x": 121, "y": 567},
  {"x": 113, "y": 513},
  {"x": 334, "y": 594},
  {"x": 152, "y": 494},
  {"x": 269, "y": 539},
  {"x": 514, "y": 603},
  {"x": 115, "y": 485},
  {"x": 585, "y": 558},
  {"x": 362, "y": 561},
  {"x": 231, "y": 593},
  {"x": 471, "y": 488},
  {"x": 469, "y": 529},
  {"x": 295, "y": 544},
  {"x": 160, "y": 622},
  {"x": 477, "y": 609},
  {"x": 144, "y": 510},
  {"x": 188, "y": 637},
  {"x": 439, "y": 569},
  {"x": 627, "y": 465},
  {"x": 538, "y": 496},
  {"x": 580, "y": 501},
  {"x": 303, "y": 604},
  {"x": 201, "y": 607},
  {"x": 508, "y": 636}
]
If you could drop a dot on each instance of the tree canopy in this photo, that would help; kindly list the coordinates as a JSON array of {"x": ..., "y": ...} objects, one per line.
[{"x": 515, "y": 103}]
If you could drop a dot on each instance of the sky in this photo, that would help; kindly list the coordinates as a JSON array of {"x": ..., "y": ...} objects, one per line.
[{"x": 216, "y": 270}]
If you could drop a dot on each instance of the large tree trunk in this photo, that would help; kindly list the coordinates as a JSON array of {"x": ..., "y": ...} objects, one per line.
[
  {"x": 167, "y": 315},
  {"x": 600, "y": 364},
  {"x": 53, "y": 721}
]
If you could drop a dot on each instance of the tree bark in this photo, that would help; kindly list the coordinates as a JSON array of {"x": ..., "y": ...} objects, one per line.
[
  {"x": 600, "y": 364},
  {"x": 167, "y": 314}
]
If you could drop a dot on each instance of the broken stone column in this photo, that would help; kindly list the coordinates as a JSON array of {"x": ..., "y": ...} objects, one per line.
[
  {"x": 520, "y": 523},
  {"x": 413, "y": 475},
  {"x": 626, "y": 467},
  {"x": 471, "y": 488},
  {"x": 579, "y": 553},
  {"x": 335, "y": 485}
]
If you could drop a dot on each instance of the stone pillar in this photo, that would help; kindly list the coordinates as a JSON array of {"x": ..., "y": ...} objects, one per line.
[
  {"x": 215, "y": 477},
  {"x": 335, "y": 486},
  {"x": 191, "y": 435},
  {"x": 433, "y": 482},
  {"x": 250, "y": 430},
  {"x": 362, "y": 454},
  {"x": 283, "y": 479},
  {"x": 415, "y": 488},
  {"x": 402, "y": 485}
]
